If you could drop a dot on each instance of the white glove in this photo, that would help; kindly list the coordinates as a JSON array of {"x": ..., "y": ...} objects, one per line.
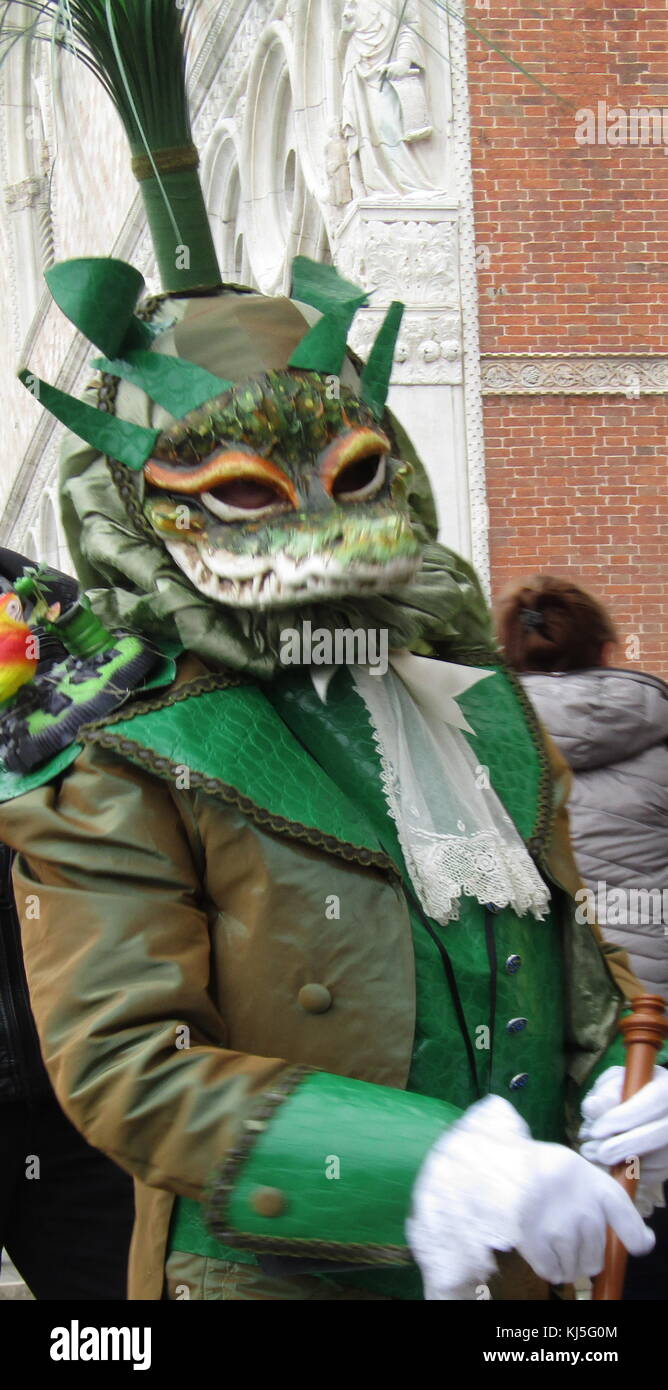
[
  {"x": 486, "y": 1185},
  {"x": 637, "y": 1128},
  {"x": 564, "y": 1219}
]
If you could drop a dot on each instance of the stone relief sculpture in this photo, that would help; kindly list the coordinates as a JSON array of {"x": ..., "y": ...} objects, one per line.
[
  {"x": 417, "y": 257},
  {"x": 384, "y": 110},
  {"x": 337, "y": 168}
]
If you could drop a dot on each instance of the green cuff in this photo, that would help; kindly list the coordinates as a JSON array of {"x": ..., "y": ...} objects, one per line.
[{"x": 326, "y": 1169}]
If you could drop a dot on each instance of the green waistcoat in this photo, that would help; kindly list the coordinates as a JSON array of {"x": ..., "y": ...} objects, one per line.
[{"x": 339, "y": 737}]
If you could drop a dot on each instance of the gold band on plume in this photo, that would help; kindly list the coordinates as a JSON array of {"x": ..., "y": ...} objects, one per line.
[{"x": 170, "y": 161}]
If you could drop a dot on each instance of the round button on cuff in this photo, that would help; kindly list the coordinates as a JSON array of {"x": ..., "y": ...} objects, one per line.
[
  {"x": 513, "y": 964},
  {"x": 519, "y": 1081},
  {"x": 268, "y": 1201},
  {"x": 516, "y": 1025},
  {"x": 315, "y": 999}
]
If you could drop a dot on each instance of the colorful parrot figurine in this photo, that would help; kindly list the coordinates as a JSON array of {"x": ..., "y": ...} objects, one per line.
[{"x": 19, "y": 647}]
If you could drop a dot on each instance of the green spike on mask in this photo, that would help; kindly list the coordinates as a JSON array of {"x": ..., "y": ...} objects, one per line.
[
  {"x": 375, "y": 382},
  {"x": 323, "y": 348},
  {"x": 321, "y": 286},
  {"x": 118, "y": 439},
  {"x": 172, "y": 382},
  {"x": 98, "y": 295}
]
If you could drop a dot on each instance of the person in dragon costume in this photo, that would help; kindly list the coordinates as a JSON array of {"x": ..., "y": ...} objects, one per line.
[{"x": 301, "y": 940}]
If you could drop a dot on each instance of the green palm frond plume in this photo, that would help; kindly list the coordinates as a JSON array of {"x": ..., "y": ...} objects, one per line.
[{"x": 137, "y": 51}]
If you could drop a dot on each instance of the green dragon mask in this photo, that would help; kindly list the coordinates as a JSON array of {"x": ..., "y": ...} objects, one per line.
[
  {"x": 284, "y": 498},
  {"x": 229, "y": 491}
]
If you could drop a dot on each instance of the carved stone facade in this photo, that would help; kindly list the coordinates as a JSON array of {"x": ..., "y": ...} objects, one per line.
[
  {"x": 332, "y": 128},
  {"x": 413, "y": 255},
  {"x": 574, "y": 374}
]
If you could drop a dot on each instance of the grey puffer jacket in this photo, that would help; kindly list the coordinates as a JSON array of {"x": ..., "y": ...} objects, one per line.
[{"x": 612, "y": 726}]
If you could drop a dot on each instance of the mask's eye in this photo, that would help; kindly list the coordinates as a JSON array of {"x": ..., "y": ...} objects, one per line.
[
  {"x": 232, "y": 484},
  {"x": 354, "y": 467},
  {"x": 240, "y": 498},
  {"x": 361, "y": 479}
]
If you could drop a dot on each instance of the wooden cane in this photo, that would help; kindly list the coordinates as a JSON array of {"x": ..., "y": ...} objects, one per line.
[{"x": 644, "y": 1032}]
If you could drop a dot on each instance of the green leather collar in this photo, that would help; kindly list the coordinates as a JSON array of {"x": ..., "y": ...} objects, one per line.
[
  {"x": 224, "y": 737},
  {"x": 222, "y": 734}
]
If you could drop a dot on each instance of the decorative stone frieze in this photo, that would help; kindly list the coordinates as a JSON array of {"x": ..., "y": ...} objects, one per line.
[{"x": 574, "y": 374}]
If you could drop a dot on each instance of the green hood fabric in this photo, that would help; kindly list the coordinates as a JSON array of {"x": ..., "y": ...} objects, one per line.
[{"x": 132, "y": 582}]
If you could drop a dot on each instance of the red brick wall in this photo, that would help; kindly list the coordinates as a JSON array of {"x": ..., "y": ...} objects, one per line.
[
  {"x": 577, "y": 485},
  {"x": 576, "y": 259}
]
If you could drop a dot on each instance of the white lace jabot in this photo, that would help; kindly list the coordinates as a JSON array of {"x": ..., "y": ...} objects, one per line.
[{"x": 455, "y": 835}]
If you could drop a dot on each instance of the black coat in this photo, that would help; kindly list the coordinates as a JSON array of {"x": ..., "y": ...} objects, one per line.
[{"x": 22, "y": 1073}]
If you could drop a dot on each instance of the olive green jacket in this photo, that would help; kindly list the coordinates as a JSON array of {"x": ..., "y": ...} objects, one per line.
[{"x": 185, "y": 978}]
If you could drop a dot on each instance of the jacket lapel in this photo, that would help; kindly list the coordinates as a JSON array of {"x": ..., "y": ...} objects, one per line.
[{"x": 226, "y": 738}]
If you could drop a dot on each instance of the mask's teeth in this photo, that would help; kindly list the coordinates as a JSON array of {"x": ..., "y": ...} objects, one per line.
[{"x": 278, "y": 580}]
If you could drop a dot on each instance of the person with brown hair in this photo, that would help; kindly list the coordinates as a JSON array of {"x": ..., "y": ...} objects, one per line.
[{"x": 611, "y": 724}]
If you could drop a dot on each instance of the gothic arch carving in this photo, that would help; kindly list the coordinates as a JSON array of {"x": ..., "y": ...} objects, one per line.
[
  {"x": 221, "y": 181},
  {"x": 274, "y": 182}
]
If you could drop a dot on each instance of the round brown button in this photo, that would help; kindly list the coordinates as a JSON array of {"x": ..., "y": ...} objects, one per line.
[
  {"x": 316, "y": 999},
  {"x": 268, "y": 1201}
]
